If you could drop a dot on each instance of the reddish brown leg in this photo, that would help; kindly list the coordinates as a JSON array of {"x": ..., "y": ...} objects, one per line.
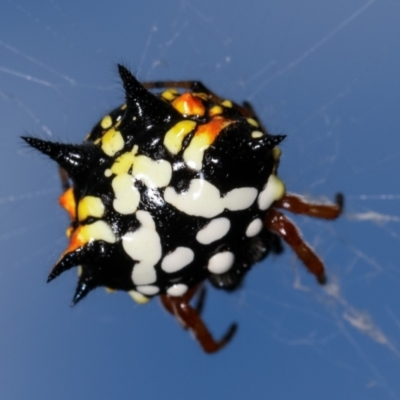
[
  {"x": 64, "y": 178},
  {"x": 297, "y": 205},
  {"x": 188, "y": 297},
  {"x": 190, "y": 319},
  {"x": 280, "y": 224}
]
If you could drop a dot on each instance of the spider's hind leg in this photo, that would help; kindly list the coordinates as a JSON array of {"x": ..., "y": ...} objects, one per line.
[
  {"x": 286, "y": 229},
  {"x": 190, "y": 319},
  {"x": 277, "y": 222}
]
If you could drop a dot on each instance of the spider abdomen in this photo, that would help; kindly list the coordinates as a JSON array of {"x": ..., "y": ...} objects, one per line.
[{"x": 168, "y": 190}]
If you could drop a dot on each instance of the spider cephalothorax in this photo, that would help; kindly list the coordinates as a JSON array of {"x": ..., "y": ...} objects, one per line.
[{"x": 172, "y": 189}]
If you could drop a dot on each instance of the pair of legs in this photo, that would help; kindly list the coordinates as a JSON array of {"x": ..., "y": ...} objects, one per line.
[{"x": 277, "y": 222}]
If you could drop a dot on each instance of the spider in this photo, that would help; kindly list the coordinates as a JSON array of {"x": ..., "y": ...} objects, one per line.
[{"x": 172, "y": 189}]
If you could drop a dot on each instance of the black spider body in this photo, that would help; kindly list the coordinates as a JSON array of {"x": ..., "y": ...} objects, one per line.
[
  {"x": 172, "y": 189},
  {"x": 168, "y": 190}
]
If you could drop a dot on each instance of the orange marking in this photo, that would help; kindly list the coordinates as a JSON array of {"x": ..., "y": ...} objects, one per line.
[
  {"x": 187, "y": 104},
  {"x": 77, "y": 240},
  {"x": 211, "y": 129},
  {"x": 67, "y": 201}
]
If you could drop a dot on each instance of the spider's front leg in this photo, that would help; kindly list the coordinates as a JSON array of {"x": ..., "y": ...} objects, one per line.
[
  {"x": 190, "y": 319},
  {"x": 277, "y": 222}
]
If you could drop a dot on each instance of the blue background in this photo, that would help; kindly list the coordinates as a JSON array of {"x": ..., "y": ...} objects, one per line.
[{"x": 326, "y": 73}]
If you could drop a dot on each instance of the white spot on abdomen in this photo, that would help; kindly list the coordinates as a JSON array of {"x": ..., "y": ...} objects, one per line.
[
  {"x": 254, "y": 227},
  {"x": 240, "y": 199},
  {"x": 143, "y": 246},
  {"x": 216, "y": 229},
  {"x": 273, "y": 190},
  {"x": 127, "y": 196},
  {"x": 153, "y": 173},
  {"x": 177, "y": 259},
  {"x": 204, "y": 200},
  {"x": 178, "y": 289},
  {"x": 221, "y": 262},
  {"x": 148, "y": 290},
  {"x": 257, "y": 134}
]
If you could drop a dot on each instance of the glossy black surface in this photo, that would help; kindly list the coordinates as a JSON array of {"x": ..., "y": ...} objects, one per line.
[{"x": 234, "y": 160}]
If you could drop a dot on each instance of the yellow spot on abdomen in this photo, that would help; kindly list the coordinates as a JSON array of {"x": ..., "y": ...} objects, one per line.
[
  {"x": 203, "y": 138},
  {"x": 174, "y": 137},
  {"x": 106, "y": 122},
  {"x": 276, "y": 153},
  {"x": 187, "y": 104},
  {"x": 112, "y": 142},
  {"x": 90, "y": 206},
  {"x": 227, "y": 103},
  {"x": 253, "y": 122},
  {"x": 138, "y": 297},
  {"x": 84, "y": 234},
  {"x": 216, "y": 110},
  {"x": 169, "y": 94},
  {"x": 123, "y": 163}
]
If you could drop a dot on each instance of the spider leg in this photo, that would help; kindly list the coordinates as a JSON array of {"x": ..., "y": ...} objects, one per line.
[
  {"x": 64, "y": 179},
  {"x": 201, "y": 298},
  {"x": 297, "y": 205},
  {"x": 199, "y": 305},
  {"x": 190, "y": 319},
  {"x": 286, "y": 229}
]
